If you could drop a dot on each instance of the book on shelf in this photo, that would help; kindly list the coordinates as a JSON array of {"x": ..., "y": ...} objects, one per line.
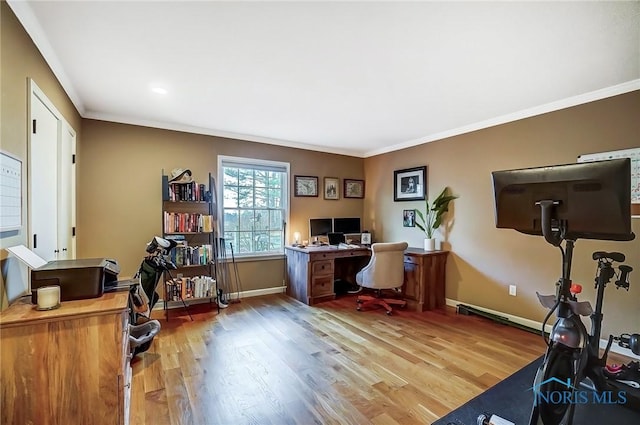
[
  {"x": 191, "y": 191},
  {"x": 186, "y": 288},
  {"x": 184, "y": 255},
  {"x": 179, "y": 222}
]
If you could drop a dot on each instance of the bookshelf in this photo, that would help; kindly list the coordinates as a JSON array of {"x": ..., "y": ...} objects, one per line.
[{"x": 188, "y": 218}]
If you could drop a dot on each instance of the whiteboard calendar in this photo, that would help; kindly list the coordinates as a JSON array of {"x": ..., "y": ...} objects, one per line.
[
  {"x": 10, "y": 192},
  {"x": 634, "y": 155}
]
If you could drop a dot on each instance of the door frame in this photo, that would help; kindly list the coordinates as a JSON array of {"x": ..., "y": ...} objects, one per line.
[{"x": 63, "y": 126}]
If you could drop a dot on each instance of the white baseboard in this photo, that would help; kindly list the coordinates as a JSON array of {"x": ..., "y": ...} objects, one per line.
[
  {"x": 231, "y": 296},
  {"x": 538, "y": 325}
]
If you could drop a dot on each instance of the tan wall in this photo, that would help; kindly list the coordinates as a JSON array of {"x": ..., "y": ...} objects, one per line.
[
  {"x": 19, "y": 61},
  {"x": 119, "y": 175},
  {"x": 119, "y": 188},
  {"x": 486, "y": 260}
]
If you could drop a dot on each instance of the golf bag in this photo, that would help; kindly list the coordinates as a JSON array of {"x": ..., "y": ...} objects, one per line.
[{"x": 143, "y": 296}]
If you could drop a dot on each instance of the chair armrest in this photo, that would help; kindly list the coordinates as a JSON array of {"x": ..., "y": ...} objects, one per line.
[{"x": 365, "y": 274}]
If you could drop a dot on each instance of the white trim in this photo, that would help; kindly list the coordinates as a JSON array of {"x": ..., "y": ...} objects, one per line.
[
  {"x": 258, "y": 292},
  {"x": 25, "y": 15},
  {"x": 33, "y": 88},
  {"x": 252, "y": 258},
  {"x": 538, "y": 325},
  {"x": 286, "y": 198},
  {"x": 568, "y": 102},
  {"x": 604, "y": 93},
  {"x": 231, "y": 296},
  {"x": 27, "y": 18}
]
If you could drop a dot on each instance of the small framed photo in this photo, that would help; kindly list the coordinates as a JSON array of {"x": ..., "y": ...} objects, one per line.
[
  {"x": 305, "y": 185},
  {"x": 410, "y": 184},
  {"x": 365, "y": 239},
  {"x": 409, "y": 218},
  {"x": 331, "y": 188},
  {"x": 353, "y": 188}
]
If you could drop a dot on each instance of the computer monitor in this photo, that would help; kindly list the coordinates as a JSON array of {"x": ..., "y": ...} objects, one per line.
[
  {"x": 590, "y": 200},
  {"x": 320, "y": 227},
  {"x": 347, "y": 225}
]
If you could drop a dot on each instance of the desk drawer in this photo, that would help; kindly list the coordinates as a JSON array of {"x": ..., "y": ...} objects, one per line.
[
  {"x": 412, "y": 259},
  {"x": 322, "y": 286},
  {"x": 323, "y": 267}
]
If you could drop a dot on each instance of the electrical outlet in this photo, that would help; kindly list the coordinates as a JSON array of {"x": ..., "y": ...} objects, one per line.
[{"x": 512, "y": 290}]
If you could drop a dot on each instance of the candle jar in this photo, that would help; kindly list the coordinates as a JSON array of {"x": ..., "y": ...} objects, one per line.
[{"x": 48, "y": 297}]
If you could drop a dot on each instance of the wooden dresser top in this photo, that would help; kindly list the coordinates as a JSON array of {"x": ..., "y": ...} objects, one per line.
[{"x": 23, "y": 312}]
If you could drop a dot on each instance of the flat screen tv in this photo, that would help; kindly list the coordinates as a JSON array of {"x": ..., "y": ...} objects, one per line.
[
  {"x": 320, "y": 226},
  {"x": 347, "y": 225},
  {"x": 590, "y": 200}
]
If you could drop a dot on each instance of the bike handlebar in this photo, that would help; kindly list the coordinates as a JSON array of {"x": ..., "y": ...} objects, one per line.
[{"x": 623, "y": 281}]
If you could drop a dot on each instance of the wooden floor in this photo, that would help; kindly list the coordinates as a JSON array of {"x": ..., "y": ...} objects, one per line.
[{"x": 273, "y": 360}]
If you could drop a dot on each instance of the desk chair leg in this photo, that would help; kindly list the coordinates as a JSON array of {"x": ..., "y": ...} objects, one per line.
[{"x": 368, "y": 300}]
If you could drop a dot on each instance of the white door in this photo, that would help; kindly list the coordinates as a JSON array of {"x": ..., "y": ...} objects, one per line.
[
  {"x": 51, "y": 180},
  {"x": 43, "y": 165},
  {"x": 66, "y": 195}
]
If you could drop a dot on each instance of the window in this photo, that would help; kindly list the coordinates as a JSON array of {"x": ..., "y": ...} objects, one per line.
[{"x": 255, "y": 204}]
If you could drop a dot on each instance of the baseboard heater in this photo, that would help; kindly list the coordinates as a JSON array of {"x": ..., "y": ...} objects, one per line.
[{"x": 468, "y": 311}]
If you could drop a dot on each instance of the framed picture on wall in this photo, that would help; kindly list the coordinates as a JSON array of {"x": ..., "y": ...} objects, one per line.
[
  {"x": 409, "y": 218},
  {"x": 353, "y": 188},
  {"x": 331, "y": 188},
  {"x": 305, "y": 185},
  {"x": 410, "y": 184}
]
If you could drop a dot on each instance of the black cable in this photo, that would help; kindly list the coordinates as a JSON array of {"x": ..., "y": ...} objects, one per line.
[
  {"x": 544, "y": 322},
  {"x": 554, "y": 308}
]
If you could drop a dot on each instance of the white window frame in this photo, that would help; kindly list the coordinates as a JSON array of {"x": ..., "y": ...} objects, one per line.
[{"x": 253, "y": 162}]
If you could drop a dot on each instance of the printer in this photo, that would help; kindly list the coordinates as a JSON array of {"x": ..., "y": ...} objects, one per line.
[{"x": 78, "y": 279}]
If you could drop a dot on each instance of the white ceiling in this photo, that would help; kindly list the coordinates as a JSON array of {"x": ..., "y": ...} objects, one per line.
[{"x": 358, "y": 78}]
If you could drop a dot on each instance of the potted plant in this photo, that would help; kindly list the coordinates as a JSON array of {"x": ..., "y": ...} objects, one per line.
[{"x": 431, "y": 218}]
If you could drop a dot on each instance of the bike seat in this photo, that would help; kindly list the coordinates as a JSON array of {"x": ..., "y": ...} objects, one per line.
[{"x": 613, "y": 256}]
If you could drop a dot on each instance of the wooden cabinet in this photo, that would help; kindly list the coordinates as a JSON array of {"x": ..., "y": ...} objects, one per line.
[
  {"x": 311, "y": 272},
  {"x": 424, "y": 278},
  {"x": 66, "y": 366}
]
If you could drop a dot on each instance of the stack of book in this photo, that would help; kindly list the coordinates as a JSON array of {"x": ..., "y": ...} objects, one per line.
[
  {"x": 191, "y": 191},
  {"x": 178, "y": 222},
  {"x": 190, "y": 287}
]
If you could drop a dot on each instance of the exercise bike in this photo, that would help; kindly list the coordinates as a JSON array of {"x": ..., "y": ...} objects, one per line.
[
  {"x": 572, "y": 355},
  {"x": 564, "y": 203}
]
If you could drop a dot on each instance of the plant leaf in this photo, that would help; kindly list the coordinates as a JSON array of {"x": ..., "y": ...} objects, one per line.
[{"x": 432, "y": 216}]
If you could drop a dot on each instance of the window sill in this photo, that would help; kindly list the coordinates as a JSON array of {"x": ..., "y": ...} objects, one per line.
[{"x": 255, "y": 257}]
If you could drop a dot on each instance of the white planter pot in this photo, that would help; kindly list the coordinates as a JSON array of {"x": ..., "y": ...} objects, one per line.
[{"x": 430, "y": 244}]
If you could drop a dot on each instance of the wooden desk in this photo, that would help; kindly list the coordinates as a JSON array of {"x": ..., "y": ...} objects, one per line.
[
  {"x": 66, "y": 366},
  {"x": 311, "y": 271},
  {"x": 424, "y": 278}
]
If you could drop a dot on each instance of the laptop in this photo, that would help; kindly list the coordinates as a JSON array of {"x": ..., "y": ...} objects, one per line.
[{"x": 336, "y": 238}]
